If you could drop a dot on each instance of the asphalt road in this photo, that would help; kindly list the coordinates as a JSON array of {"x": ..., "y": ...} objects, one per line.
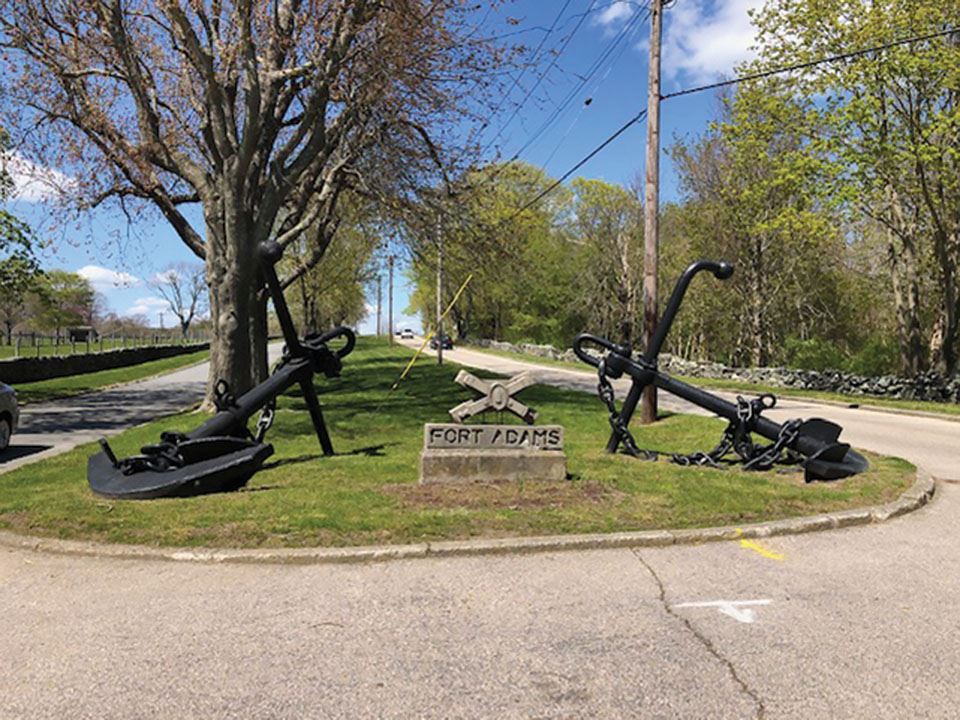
[
  {"x": 50, "y": 428},
  {"x": 856, "y": 623}
]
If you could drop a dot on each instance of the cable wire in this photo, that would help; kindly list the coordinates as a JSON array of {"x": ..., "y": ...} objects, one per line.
[{"x": 809, "y": 64}]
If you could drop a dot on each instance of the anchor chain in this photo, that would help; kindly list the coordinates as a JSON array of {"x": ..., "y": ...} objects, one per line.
[
  {"x": 265, "y": 420},
  {"x": 736, "y": 437},
  {"x": 605, "y": 392}
]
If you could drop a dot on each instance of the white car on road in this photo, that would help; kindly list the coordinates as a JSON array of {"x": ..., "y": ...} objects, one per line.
[
  {"x": 9, "y": 415},
  {"x": 407, "y": 334}
]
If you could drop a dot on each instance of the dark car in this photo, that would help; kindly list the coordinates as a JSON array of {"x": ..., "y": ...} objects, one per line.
[
  {"x": 9, "y": 415},
  {"x": 445, "y": 341}
]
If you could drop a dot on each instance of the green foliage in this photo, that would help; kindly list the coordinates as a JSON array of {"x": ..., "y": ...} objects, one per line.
[
  {"x": 813, "y": 354},
  {"x": 65, "y": 299},
  {"x": 891, "y": 120},
  {"x": 332, "y": 292},
  {"x": 19, "y": 269}
]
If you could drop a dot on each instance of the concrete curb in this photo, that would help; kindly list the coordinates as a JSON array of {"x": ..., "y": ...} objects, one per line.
[{"x": 918, "y": 495}]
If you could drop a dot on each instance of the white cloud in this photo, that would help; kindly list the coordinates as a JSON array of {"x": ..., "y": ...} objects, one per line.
[
  {"x": 149, "y": 306},
  {"x": 104, "y": 279},
  {"x": 33, "y": 182},
  {"x": 705, "y": 40},
  {"x": 614, "y": 13}
]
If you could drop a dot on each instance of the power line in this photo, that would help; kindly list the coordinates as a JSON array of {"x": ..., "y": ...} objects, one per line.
[
  {"x": 536, "y": 54},
  {"x": 594, "y": 68},
  {"x": 543, "y": 75},
  {"x": 590, "y": 93},
  {"x": 589, "y": 156},
  {"x": 809, "y": 64},
  {"x": 598, "y": 63}
]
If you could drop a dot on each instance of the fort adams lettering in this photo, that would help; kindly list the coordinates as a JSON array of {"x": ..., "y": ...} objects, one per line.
[{"x": 449, "y": 436}]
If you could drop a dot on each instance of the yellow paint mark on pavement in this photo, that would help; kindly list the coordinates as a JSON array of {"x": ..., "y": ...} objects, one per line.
[{"x": 760, "y": 549}]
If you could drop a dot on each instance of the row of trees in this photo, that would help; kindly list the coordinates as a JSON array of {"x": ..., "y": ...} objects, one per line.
[{"x": 834, "y": 191}]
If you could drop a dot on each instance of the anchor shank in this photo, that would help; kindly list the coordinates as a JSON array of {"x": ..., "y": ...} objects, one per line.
[{"x": 233, "y": 420}]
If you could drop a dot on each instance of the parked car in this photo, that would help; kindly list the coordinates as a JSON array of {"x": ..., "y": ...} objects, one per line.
[
  {"x": 406, "y": 334},
  {"x": 445, "y": 340},
  {"x": 9, "y": 415}
]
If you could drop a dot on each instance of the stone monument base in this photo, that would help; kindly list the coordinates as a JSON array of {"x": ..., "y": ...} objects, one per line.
[{"x": 492, "y": 453}]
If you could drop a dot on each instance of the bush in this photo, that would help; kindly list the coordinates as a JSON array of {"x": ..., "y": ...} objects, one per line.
[
  {"x": 813, "y": 354},
  {"x": 878, "y": 356}
]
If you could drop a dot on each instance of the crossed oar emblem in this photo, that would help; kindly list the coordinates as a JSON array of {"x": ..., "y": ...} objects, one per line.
[{"x": 494, "y": 395}]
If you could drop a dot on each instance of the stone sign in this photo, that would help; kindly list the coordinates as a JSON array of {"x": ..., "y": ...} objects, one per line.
[
  {"x": 458, "y": 453},
  {"x": 448, "y": 436}
]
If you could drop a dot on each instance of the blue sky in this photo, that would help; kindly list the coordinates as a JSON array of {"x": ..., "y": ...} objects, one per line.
[{"x": 703, "y": 41}]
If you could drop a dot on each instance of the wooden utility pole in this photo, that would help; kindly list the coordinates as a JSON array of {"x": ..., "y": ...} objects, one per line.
[
  {"x": 379, "y": 302},
  {"x": 390, "y": 298},
  {"x": 651, "y": 209},
  {"x": 439, "y": 326}
]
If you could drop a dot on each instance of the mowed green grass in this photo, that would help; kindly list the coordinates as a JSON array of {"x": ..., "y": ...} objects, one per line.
[
  {"x": 368, "y": 492},
  {"x": 927, "y": 406},
  {"x": 78, "y": 384}
]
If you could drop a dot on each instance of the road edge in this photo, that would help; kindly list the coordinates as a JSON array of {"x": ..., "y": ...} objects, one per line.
[{"x": 919, "y": 494}]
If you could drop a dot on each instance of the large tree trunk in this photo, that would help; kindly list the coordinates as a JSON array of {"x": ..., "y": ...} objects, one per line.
[
  {"x": 758, "y": 354},
  {"x": 905, "y": 283},
  {"x": 232, "y": 271}
]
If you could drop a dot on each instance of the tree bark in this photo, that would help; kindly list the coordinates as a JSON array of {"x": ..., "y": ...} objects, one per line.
[{"x": 231, "y": 274}]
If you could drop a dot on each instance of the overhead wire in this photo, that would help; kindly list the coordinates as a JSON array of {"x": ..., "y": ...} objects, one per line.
[
  {"x": 809, "y": 63},
  {"x": 519, "y": 76},
  {"x": 543, "y": 75}
]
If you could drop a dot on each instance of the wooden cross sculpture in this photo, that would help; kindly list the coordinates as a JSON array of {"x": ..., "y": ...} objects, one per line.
[{"x": 494, "y": 395}]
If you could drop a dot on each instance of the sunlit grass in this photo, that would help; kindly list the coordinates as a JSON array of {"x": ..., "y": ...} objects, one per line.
[{"x": 368, "y": 492}]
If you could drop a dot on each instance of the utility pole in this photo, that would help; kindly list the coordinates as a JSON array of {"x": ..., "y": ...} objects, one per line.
[
  {"x": 379, "y": 303},
  {"x": 390, "y": 298},
  {"x": 439, "y": 332},
  {"x": 651, "y": 223}
]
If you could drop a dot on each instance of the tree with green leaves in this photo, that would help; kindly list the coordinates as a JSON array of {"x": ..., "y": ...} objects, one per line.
[
  {"x": 893, "y": 120},
  {"x": 19, "y": 268},
  {"x": 758, "y": 189},
  {"x": 65, "y": 299},
  {"x": 608, "y": 224}
]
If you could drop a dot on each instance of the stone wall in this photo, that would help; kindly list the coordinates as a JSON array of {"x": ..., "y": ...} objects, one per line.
[
  {"x": 24, "y": 370},
  {"x": 925, "y": 386}
]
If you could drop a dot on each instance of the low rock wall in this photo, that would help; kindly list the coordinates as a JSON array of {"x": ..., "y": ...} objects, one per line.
[
  {"x": 924, "y": 386},
  {"x": 25, "y": 370}
]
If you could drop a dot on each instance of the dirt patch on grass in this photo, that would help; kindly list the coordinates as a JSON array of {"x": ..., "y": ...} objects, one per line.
[{"x": 505, "y": 495}]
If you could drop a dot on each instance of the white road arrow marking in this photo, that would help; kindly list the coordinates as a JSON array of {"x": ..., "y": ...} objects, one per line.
[{"x": 739, "y": 610}]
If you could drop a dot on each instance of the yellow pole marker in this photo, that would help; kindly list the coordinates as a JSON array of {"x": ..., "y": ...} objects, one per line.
[
  {"x": 761, "y": 550},
  {"x": 426, "y": 340}
]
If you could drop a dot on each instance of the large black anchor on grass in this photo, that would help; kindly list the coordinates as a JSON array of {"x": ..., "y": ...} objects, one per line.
[
  {"x": 222, "y": 454},
  {"x": 812, "y": 443}
]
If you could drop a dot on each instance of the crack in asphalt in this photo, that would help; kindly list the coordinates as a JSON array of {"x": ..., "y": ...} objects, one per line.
[{"x": 705, "y": 641}]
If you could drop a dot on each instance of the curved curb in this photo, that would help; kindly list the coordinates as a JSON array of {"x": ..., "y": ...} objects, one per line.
[{"x": 918, "y": 495}]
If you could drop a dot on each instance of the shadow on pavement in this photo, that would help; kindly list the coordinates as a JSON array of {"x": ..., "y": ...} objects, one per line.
[
  {"x": 107, "y": 410},
  {"x": 15, "y": 452}
]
